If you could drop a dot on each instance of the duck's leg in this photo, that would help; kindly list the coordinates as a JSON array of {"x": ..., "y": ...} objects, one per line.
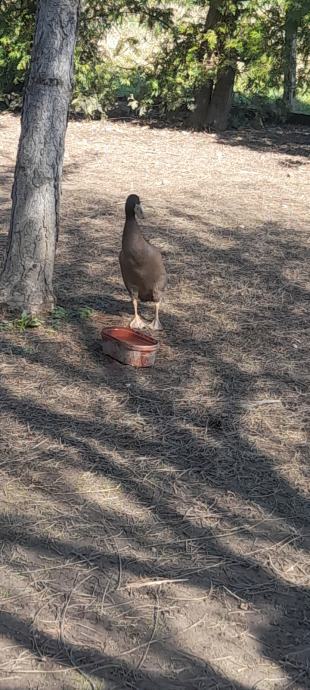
[
  {"x": 137, "y": 322},
  {"x": 156, "y": 325}
]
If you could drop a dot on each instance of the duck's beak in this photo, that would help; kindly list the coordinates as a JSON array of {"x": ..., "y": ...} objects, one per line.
[{"x": 139, "y": 211}]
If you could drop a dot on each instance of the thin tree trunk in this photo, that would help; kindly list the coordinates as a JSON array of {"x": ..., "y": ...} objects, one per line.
[
  {"x": 26, "y": 281},
  {"x": 290, "y": 65},
  {"x": 296, "y": 11}
]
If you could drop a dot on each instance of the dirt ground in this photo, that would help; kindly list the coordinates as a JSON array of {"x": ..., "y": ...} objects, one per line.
[{"x": 155, "y": 523}]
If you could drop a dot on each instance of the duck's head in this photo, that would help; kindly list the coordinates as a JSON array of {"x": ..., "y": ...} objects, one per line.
[{"x": 133, "y": 207}]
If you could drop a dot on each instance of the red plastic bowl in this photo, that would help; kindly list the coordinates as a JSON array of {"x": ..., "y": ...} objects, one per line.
[{"x": 129, "y": 347}]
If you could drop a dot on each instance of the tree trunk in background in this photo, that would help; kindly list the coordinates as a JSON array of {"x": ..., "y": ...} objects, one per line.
[
  {"x": 290, "y": 64},
  {"x": 220, "y": 105},
  {"x": 202, "y": 103},
  {"x": 26, "y": 281},
  {"x": 214, "y": 99}
]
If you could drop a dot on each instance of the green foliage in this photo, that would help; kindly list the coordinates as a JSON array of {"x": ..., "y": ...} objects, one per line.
[
  {"x": 85, "y": 313},
  {"x": 96, "y": 79},
  {"x": 262, "y": 31},
  {"x": 16, "y": 33},
  {"x": 195, "y": 52},
  {"x": 26, "y": 321},
  {"x": 303, "y": 103},
  {"x": 185, "y": 50},
  {"x": 60, "y": 315},
  {"x": 256, "y": 111},
  {"x": 93, "y": 90},
  {"x": 22, "y": 323},
  {"x": 304, "y": 51}
]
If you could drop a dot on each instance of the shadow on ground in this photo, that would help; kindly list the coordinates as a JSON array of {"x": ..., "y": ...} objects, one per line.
[{"x": 284, "y": 139}]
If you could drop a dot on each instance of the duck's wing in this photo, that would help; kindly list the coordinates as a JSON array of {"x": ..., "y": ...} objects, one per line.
[
  {"x": 128, "y": 274},
  {"x": 154, "y": 264},
  {"x": 153, "y": 276}
]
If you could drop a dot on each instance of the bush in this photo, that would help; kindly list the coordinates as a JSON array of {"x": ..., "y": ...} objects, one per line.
[
  {"x": 150, "y": 61},
  {"x": 256, "y": 111},
  {"x": 16, "y": 32}
]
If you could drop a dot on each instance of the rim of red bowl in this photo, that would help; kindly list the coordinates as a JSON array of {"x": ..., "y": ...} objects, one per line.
[{"x": 149, "y": 344}]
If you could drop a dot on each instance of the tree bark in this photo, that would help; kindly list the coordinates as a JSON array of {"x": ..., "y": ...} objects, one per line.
[
  {"x": 290, "y": 64},
  {"x": 214, "y": 98},
  {"x": 202, "y": 103},
  {"x": 26, "y": 281},
  {"x": 214, "y": 101},
  {"x": 220, "y": 105}
]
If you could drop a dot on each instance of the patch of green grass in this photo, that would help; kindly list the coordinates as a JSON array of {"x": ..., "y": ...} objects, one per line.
[
  {"x": 59, "y": 316},
  {"x": 26, "y": 321},
  {"x": 85, "y": 312},
  {"x": 60, "y": 313},
  {"x": 22, "y": 323}
]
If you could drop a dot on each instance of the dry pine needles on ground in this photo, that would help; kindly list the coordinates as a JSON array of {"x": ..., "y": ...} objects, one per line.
[{"x": 155, "y": 524}]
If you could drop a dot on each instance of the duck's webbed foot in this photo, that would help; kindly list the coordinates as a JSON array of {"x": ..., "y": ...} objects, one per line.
[
  {"x": 156, "y": 325},
  {"x": 137, "y": 322}
]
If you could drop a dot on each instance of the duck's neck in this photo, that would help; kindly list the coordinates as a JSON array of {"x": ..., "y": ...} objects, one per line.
[{"x": 132, "y": 233}]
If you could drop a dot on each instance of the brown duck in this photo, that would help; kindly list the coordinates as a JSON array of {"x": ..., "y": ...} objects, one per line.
[{"x": 142, "y": 266}]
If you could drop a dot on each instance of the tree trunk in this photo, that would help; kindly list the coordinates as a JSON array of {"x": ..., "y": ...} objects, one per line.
[
  {"x": 26, "y": 281},
  {"x": 214, "y": 99},
  {"x": 296, "y": 11},
  {"x": 220, "y": 106},
  {"x": 290, "y": 65},
  {"x": 202, "y": 103}
]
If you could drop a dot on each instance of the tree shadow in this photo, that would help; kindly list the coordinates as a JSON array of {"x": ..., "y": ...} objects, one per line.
[
  {"x": 286, "y": 139},
  {"x": 104, "y": 667}
]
